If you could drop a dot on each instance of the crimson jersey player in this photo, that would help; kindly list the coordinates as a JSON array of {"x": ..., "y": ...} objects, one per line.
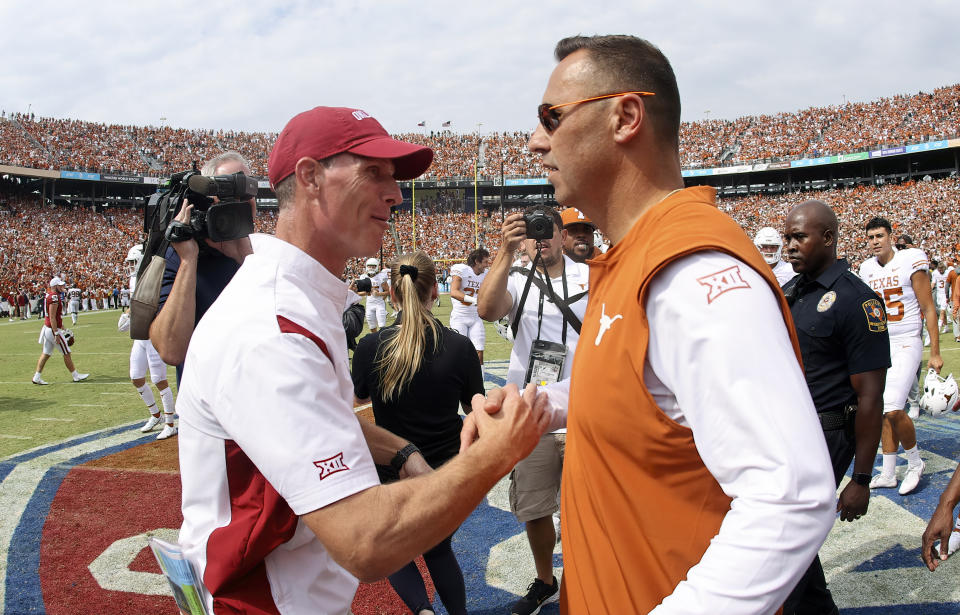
[{"x": 53, "y": 335}]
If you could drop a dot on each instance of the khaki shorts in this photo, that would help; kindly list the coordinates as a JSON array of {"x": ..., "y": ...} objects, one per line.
[{"x": 535, "y": 482}]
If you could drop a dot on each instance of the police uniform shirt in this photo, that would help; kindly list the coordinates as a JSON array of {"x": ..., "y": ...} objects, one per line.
[{"x": 842, "y": 329}]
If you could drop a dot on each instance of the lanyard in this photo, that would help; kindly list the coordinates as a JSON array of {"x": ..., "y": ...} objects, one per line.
[{"x": 549, "y": 283}]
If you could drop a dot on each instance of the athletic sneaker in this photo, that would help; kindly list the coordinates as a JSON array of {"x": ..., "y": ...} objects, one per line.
[
  {"x": 168, "y": 430},
  {"x": 882, "y": 481},
  {"x": 80, "y": 377},
  {"x": 914, "y": 411},
  {"x": 39, "y": 380},
  {"x": 911, "y": 479},
  {"x": 538, "y": 594},
  {"x": 152, "y": 422},
  {"x": 954, "y": 543}
]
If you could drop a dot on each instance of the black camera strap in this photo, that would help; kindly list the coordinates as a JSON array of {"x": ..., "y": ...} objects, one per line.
[{"x": 547, "y": 288}]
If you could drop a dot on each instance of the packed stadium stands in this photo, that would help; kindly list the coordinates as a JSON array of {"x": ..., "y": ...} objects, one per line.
[
  {"x": 66, "y": 144},
  {"x": 88, "y": 248}
]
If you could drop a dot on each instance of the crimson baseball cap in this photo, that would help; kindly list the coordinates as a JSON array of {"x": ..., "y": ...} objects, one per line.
[
  {"x": 572, "y": 215},
  {"x": 322, "y": 132}
]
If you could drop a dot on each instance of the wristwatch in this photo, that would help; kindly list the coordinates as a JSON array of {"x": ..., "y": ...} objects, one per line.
[
  {"x": 402, "y": 455},
  {"x": 861, "y": 478}
]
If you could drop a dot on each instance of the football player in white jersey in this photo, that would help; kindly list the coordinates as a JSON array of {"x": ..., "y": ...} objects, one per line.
[
  {"x": 73, "y": 302},
  {"x": 770, "y": 244},
  {"x": 938, "y": 277},
  {"x": 143, "y": 356},
  {"x": 900, "y": 278},
  {"x": 376, "y": 307},
  {"x": 465, "y": 280}
]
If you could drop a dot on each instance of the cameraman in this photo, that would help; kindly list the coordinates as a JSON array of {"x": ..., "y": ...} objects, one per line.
[
  {"x": 545, "y": 339},
  {"x": 196, "y": 274}
]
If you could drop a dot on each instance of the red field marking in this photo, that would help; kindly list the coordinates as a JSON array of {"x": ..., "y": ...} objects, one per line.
[
  {"x": 98, "y": 504},
  {"x": 93, "y": 509}
]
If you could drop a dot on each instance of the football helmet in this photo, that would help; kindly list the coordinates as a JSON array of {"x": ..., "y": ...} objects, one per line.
[
  {"x": 503, "y": 328},
  {"x": 132, "y": 262},
  {"x": 373, "y": 266},
  {"x": 939, "y": 394},
  {"x": 767, "y": 238},
  {"x": 68, "y": 337}
]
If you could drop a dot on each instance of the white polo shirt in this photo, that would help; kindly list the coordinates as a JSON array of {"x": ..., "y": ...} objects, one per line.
[{"x": 268, "y": 433}]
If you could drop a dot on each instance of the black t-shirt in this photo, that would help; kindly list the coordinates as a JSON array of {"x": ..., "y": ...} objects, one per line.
[{"x": 426, "y": 412}]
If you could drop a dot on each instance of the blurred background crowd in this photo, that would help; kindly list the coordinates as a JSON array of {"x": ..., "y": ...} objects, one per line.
[
  {"x": 75, "y": 145},
  {"x": 87, "y": 249}
]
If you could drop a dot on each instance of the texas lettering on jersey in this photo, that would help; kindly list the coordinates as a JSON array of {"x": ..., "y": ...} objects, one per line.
[
  {"x": 470, "y": 285},
  {"x": 893, "y": 284}
]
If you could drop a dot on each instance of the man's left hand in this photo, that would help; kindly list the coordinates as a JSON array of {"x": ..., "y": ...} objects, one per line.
[
  {"x": 853, "y": 501},
  {"x": 936, "y": 362}
]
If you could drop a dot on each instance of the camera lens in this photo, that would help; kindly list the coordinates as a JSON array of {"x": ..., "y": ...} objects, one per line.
[{"x": 231, "y": 220}]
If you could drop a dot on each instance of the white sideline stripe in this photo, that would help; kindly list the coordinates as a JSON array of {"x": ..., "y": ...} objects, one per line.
[
  {"x": 125, "y": 383},
  {"x": 52, "y": 418},
  {"x": 21, "y": 484},
  {"x": 6, "y": 436},
  {"x": 363, "y": 407},
  {"x": 72, "y": 351}
]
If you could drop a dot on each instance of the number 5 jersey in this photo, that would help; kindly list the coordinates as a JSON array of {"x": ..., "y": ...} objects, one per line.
[{"x": 892, "y": 283}]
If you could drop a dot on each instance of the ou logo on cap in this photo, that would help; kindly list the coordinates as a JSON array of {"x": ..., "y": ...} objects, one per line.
[{"x": 359, "y": 114}]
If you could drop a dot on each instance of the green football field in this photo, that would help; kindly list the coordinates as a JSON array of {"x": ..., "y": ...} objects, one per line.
[{"x": 32, "y": 415}]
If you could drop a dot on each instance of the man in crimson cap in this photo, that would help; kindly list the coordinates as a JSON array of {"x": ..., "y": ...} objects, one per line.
[
  {"x": 578, "y": 242},
  {"x": 283, "y": 510}
]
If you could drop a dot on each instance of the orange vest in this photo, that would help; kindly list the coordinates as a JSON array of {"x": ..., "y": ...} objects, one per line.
[{"x": 639, "y": 506}]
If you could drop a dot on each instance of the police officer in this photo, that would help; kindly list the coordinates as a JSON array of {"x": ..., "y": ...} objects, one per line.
[{"x": 842, "y": 330}]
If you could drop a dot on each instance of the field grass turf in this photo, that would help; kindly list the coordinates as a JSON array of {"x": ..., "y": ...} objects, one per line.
[{"x": 32, "y": 415}]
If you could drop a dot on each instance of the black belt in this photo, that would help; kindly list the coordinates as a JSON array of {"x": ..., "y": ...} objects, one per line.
[{"x": 836, "y": 417}]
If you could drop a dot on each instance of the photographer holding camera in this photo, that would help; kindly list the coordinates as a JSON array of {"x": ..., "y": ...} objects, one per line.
[
  {"x": 545, "y": 304},
  {"x": 197, "y": 271}
]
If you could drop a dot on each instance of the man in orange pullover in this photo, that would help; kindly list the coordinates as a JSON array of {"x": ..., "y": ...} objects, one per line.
[{"x": 696, "y": 477}]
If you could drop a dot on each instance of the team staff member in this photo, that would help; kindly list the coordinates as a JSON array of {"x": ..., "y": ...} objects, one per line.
[
  {"x": 537, "y": 319},
  {"x": 195, "y": 275},
  {"x": 418, "y": 374},
  {"x": 842, "y": 329},
  {"x": 52, "y": 336},
  {"x": 696, "y": 478},
  {"x": 267, "y": 427},
  {"x": 578, "y": 241}
]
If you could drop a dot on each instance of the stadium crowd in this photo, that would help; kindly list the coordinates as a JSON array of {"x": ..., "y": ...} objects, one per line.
[
  {"x": 88, "y": 248},
  {"x": 48, "y": 143}
]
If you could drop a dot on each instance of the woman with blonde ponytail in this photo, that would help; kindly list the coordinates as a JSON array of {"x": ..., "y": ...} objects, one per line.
[{"x": 418, "y": 374}]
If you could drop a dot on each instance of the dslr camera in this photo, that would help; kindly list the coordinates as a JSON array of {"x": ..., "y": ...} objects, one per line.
[
  {"x": 539, "y": 225},
  {"x": 231, "y": 217}
]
